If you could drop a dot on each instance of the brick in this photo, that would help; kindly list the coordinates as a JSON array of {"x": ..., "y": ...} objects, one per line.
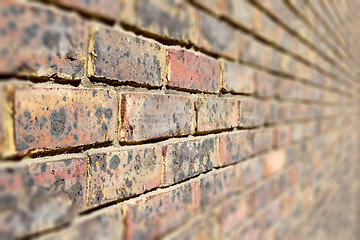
[
  {"x": 215, "y": 187},
  {"x": 107, "y": 9},
  {"x": 234, "y": 147},
  {"x": 147, "y": 116},
  {"x": 265, "y": 84},
  {"x": 250, "y": 171},
  {"x": 238, "y": 78},
  {"x": 7, "y": 145},
  {"x": 273, "y": 112},
  {"x": 121, "y": 173},
  {"x": 103, "y": 224},
  {"x": 253, "y": 51},
  {"x": 240, "y": 12},
  {"x": 41, "y": 42},
  {"x": 263, "y": 195},
  {"x": 121, "y": 56},
  {"x": 216, "y": 36},
  {"x": 273, "y": 162},
  {"x": 234, "y": 212},
  {"x": 262, "y": 140},
  {"x": 31, "y": 190},
  {"x": 53, "y": 118},
  {"x": 283, "y": 135},
  {"x": 158, "y": 213},
  {"x": 186, "y": 159},
  {"x": 194, "y": 71},
  {"x": 252, "y": 113},
  {"x": 216, "y": 113},
  {"x": 166, "y": 19}
]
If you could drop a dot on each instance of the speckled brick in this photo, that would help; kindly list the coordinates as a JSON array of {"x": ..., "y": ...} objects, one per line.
[
  {"x": 194, "y": 71},
  {"x": 153, "y": 215},
  {"x": 250, "y": 171},
  {"x": 216, "y": 113},
  {"x": 41, "y": 42},
  {"x": 53, "y": 118},
  {"x": 186, "y": 159},
  {"x": 262, "y": 140},
  {"x": 216, "y": 36},
  {"x": 32, "y": 190},
  {"x": 121, "y": 56},
  {"x": 234, "y": 147},
  {"x": 107, "y": 9},
  {"x": 121, "y": 173},
  {"x": 147, "y": 116},
  {"x": 215, "y": 187},
  {"x": 273, "y": 162},
  {"x": 238, "y": 78},
  {"x": 165, "y": 18},
  {"x": 102, "y": 224},
  {"x": 252, "y": 113}
]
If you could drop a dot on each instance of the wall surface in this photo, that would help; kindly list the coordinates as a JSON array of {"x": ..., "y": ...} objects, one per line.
[{"x": 179, "y": 119}]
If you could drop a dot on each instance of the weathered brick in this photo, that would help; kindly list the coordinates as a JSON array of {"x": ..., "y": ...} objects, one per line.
[
  {"x": 274, "y": 161},
  {"x": 250, "y": 171},
  {"x": 216, "y": 186},
  {"x": 234, "y": 147},
  {"x": 103, "y": 224},
  {"x": 262, "y": 140},
  {"x": 107, "y": 9},
  {"x": 283, "y": 135},
  {"x": 253, "y": 51},
  {"x": 216, "y": 36},
  {"x": 30, "y": 191},
  {"x": 252, "y": 113},
  {"x": 216, "y": 113},
  {"x": 155, "y": 214},
  {"x": 194, "y": 71},
  {"x": 121, "y": 56},
  {"x": 185, "y": 159},
  {"x": 167, "y": 19},
  {"x": 41, "y": 42},
  {"x": 121, "y": 173},
  {"x": 265, "y": 84},
  {"x": 148, "y": 116},
  {"x": 53, "y": 118},
  {"x": 240, "y": 12},
  {"x": 238, "y": 78}
]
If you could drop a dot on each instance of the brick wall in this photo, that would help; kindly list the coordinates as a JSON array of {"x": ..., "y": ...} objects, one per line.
[{"x": 179, "y": 119}]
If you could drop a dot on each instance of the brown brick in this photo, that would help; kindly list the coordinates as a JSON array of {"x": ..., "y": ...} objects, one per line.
[
  {"x": 216, "y": 113},
  {"x": 158, "y": 213},
  {"x": 194, "y": 71},
  {"x": 265, "y": 84},
  {"x": 167, "y": 19},
  {"x": 102, "y": 224},
  {"x": 215, "y": 6},
  {"x": 41, "y": 42},
  {"x": 250, "y": 171},
  {"x": 273, "y": 162},
  {"x": 252, "y": 113},
  {"x": 241, "y": 12},
  {"x": 273, "y": 112},
  {"x": 234, "y": 147},
  {"x": 7, "y": 146},
  {"x": 283, "y": 135},
  {"x": 262, "y": 140},
  {"x": 121, "y": 56},
  {"x": 53, "y": 118},
  {"x": 216, "y": 36},
  {"x": 32, "y": 190},
  {"x": 238, "y": 78},
  {"x": 252, "y": 51},
  {"x": 185, "y": 159},
  {"x": 108, "y": 9},
  {"x": 148, "y": 116},
  {"x": 121, "y": 173}
]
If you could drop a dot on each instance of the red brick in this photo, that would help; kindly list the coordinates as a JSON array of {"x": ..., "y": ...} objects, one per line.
[
  {"x": 30, "y": 191},
  {"x": 42, "y": 42},
  {"x": 252, "y": 113},
  {"x": 283, "y": 135},
  {"x": 262, "y": 140},
  {"x": 121, "y": 173},
  {"x": 265, "y": 84},
  {"x": 186, "y": 159},
  {"x": 53, "y": 118},
  {"x": 166, "y": 19},
  {"x": 234, "y": 147},
  {"x": 121, "y": 56},
  {"x": 194, "y": 71},
  {"x": 250, "y": 171},
  {"x": 108, "y": 9},
  {"x": 215, "y": 187},
  {"x": 273, "y": 162},
  {"x": 216, "y": 36},
  {"x": 216, "y": 113},
  {"x": 238, "y": 78},
  {"x": 148, "y": 116},
  {"x": 157, "y": 213},
  {"x": 102, "y": 224}
]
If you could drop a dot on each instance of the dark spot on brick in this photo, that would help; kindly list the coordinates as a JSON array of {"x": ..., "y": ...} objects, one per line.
[
  {"x": 12, "y": 25},
  {"x": 94, "y": 93},
  {"x": 50, "y": 17},
  {"x": 68, "y": 171},
  {"x": 23, "y": 146},
  {"x": 88, "y": 113},
  {"x": 104, "y": 126},
  {"x": 114, "y": 162},
  {"x": 57, "y": 122},
  {"x": 108, "y": 113},
  {"x": 51, "y": 39},
  {"x": 64, "y": 99},
  {"x": 43, "y": 167},
  {"x": 29, "y": 138},
  {"x": 75, "y": 125},
  {"x": 27, "y": 115},
  {"x": 76, "y": 137},
  {"x": 14, "y": 10},
  {"x": 30, "y": 182},
  {"x": 128, "y": 183}
]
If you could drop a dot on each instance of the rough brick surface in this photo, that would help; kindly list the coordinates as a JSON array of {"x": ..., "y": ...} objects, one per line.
[
  {"x": 121, "y": 173},
  {"x": 251, "y": 113},
  {"x": 147, "y": 116},
  {"x": 235, "y": 147},
  {"x": 53, "y": 118},
  {"x": 120, "y": 56},
  {"x": 192, "y": 71},
  {"x": 42, "y": 42}
]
